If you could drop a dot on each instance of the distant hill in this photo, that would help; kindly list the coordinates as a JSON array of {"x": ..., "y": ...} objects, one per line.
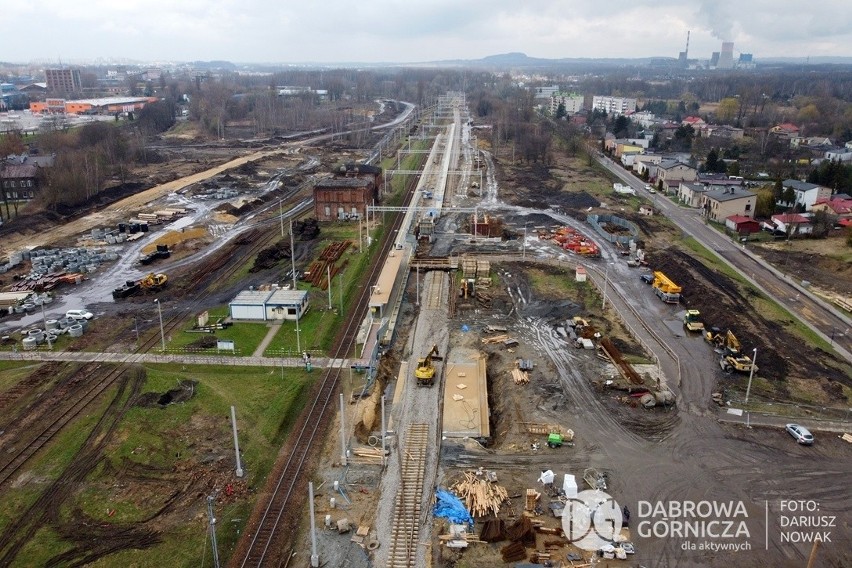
[{"x": 516, "y": 60}]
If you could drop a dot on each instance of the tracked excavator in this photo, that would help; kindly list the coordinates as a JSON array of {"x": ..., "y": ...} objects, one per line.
[{"x": 425, "y": 371}]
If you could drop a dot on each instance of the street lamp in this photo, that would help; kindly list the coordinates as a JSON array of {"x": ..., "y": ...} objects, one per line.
[
  {"x": 525, "y": 239},
  {"x": 162, "y": 332},
  {"x": 50, "y": 344},
  {"x": 750, "y": 375}
]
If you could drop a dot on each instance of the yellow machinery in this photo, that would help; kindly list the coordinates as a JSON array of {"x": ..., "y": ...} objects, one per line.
[
  {"x": 732, "y": 360},
  {"x": 153, "y": 281},
  {"x": 425, "y": 371},
  {"x": 692, "y": 320},
  {"x": 668, "y": 291}
]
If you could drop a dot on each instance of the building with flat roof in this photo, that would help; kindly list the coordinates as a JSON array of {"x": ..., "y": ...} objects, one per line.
[
  {"x": 106, "y": 105},
  {"x": 719, "y": 204},
  {"x": 63, "y": 80},
  {"x": 614, "y": 105},
  {"x": 269, "y": 305}
]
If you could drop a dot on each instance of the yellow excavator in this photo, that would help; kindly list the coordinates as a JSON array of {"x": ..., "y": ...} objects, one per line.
[
  {"x": 153, "y": 281},
  {"x": 425, "y": 371},
  {"x": 732, "y": 358}
]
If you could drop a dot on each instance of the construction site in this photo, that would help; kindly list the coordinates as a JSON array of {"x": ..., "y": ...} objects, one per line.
[{"x": 521, "y": 346}]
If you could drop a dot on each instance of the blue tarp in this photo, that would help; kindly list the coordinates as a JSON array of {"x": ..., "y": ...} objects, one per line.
[{"x": 449, "y": 507}]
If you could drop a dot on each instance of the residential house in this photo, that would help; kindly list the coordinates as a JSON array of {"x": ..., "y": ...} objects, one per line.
[
  {"x": 643, "y": 162},
  {"x": 694, "y": 121},
  {"x": 667, "y": 130},
  {"x": 623, "y": 147},
  {"x": 722, "y": 131},
  {"x": 838, "y": 206},
  {"x": 689, "y": 193},
  {"x": 671, "y": 173},
  {"x": 347, "y": 194},
  {"x": 20, "y": 176},
  {"x": 813, "y": 141},
  {"x": 719, "y": 204},
  {"x": 792, "y": 224},
  {"x": 646, "y": 119},
  {"x": 839, "y": 154},
  {"x": 807, "y": 194},
  {"x": 742, "y": 225},
  {"x": 785, "y": 131}
]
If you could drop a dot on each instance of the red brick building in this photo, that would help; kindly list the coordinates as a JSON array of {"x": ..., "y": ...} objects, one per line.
[{"x": 347, "y": 194}]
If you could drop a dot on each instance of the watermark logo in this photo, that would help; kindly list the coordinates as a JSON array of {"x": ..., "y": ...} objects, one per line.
[
  {"x": 591, "y": 520},
  {"x": 699, "y": 525}
]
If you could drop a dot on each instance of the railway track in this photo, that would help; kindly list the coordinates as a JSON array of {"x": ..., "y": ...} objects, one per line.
[
  {"x": 269, "y": 531},
  {"x": 405, "y": 528}
]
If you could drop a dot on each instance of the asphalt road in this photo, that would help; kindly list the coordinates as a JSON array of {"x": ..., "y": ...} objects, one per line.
[{"x": 831, "y": 325}]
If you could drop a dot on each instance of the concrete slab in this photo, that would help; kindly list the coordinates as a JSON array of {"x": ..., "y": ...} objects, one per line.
[{"x": 466, "y": 411}]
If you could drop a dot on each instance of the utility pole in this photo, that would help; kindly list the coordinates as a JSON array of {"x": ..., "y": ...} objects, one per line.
[
  {"x": 342, "y": 432},
  {"x": 293, "y": 258},
  {"x": 162, "y": 332},
  {"x": 328, "y": 275}
]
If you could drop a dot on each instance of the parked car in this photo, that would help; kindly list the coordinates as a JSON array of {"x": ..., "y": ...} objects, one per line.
[
  {"x": 647, "y": 278},
  {"x": 802, "y": 434},
  {"x": 79, "y": 314},
  {"x": 648, "y": 186}
]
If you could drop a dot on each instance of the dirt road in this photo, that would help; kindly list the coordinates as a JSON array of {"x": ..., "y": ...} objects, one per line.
[{"x": 122, "y": 209}]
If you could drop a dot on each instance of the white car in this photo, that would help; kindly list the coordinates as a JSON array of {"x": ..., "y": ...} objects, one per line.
[
  {"x": 79, "y": 314},
  {"x": 801, "y": 434}
]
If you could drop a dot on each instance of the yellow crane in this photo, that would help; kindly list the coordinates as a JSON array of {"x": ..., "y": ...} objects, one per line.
[{"x": 667, "y": 290}]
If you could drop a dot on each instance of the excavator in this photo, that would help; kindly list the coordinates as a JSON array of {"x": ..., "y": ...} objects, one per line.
[
  {"x": 692, "y": 320},
  {"x": 153, "y": 281},
  {"x": 732, "y": 358},
  {"x": 425, "y": 371}
]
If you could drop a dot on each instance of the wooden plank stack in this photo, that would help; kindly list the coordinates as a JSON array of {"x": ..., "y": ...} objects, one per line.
[
  {"x": 480, "y": 496},
  {"x": 494, "y": 339},
  {"x": 520, "y": 377}
]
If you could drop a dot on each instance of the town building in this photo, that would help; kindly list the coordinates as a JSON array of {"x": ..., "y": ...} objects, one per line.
[
  {"x": 63, "y": 81},
  {"x": 572, "y": 102},
  {"x": 347, "y": 194},
  {"x": 807, "y": 194},
  {"x": 671, "y": 173},
  {"x": 719, "y": 204},
  {"x": 614, "y": 105},
  {"x": 106, "y": 105},
  {"x": 269, "y": 305},
  {"x": 792, "y": 224},
  {"x": 21, "y": 176}
]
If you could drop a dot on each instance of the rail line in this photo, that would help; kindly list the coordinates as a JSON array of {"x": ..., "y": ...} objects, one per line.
[
  {"x": 285, "y": 495},
  {"x": 405, "y": 528}
]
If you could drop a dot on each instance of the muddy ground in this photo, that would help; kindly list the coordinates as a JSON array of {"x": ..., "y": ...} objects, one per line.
[{"x": 820, "y": 377}]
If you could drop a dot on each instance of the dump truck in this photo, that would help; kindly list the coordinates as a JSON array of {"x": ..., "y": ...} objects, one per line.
[
  {"x": 692, "y": 320},
  {"x": 668, "y": 291},
  {"x": 425, "y": 371}
]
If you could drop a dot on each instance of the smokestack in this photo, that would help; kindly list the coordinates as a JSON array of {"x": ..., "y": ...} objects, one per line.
[{"x": 726, "y": 57}]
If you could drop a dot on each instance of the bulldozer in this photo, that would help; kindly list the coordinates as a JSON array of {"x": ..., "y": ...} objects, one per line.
[
  {"x": 425, "y": 371},
  {"x": 692, "y": 321}
]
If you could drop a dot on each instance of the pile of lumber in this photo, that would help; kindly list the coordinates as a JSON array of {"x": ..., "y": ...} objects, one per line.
[
  {"x": 480, "y": 496},
  {"x": 494, "y": 339},
  {"x": 514, "y": 552},
  {"x": 368, "y": 453},
  {"x": 531, "y": 500},
  {"x": 520, "y": 377}
]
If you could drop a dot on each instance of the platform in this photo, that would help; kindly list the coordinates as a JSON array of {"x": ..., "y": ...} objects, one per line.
[{"x": 467, "y": 417}]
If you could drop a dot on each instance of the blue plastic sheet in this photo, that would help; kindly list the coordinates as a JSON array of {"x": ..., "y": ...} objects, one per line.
[{"x": 450, "y": 507}]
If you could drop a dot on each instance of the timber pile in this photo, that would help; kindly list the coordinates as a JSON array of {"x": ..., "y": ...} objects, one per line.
[
  {"x": 480, "y": 496},
  {"x": 368, "y": 453},
  {"x": 541, "y": 428},
  {"x": 492, "y": 530},
  {"x": 494, "y": 339},
  {"x": 532, "y": 500},
  {"x": 847, "y": 438},
  {"x": 514, "y": 552},
  {"x": 520, "y": 377}
]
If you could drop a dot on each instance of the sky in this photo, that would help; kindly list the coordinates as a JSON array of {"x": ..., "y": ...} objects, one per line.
[{"x": 405, "y": 31}]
